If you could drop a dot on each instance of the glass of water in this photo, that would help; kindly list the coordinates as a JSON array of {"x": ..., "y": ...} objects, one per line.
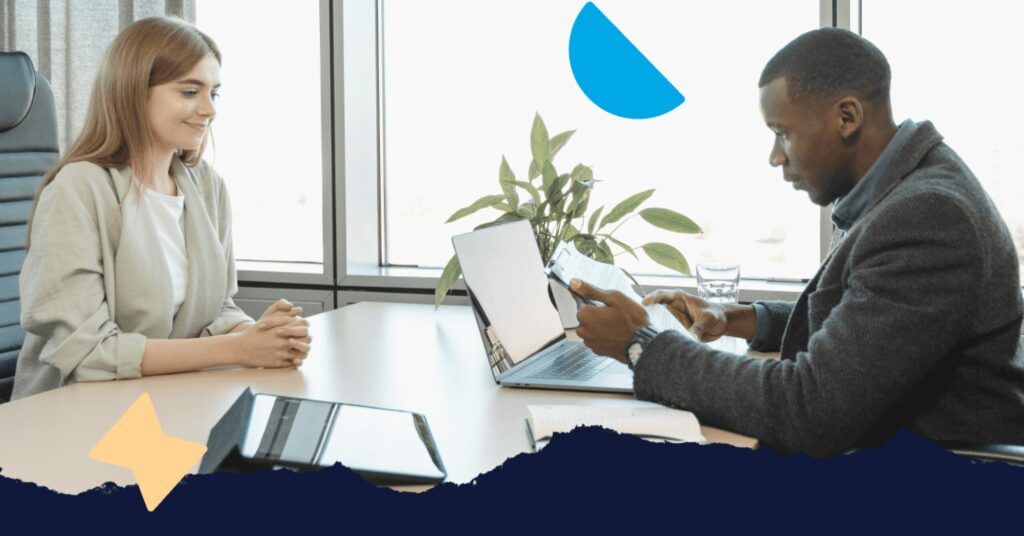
[{"x": 718, "y": 282}]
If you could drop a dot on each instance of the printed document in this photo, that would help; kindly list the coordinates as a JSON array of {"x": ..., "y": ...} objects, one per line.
[{"x": 567, "y": 263}]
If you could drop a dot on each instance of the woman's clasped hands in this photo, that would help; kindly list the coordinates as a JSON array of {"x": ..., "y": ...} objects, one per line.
[{"x": 280, "y": 338}]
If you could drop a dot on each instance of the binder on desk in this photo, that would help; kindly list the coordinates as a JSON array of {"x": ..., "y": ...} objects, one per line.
[{"x": 384, "y": 446}]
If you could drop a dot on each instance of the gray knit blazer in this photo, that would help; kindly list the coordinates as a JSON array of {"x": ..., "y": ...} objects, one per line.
[{"x": 912, "y": 322}]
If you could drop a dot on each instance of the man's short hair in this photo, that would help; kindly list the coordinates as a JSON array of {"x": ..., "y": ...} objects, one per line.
[{"x": 829, "y": 61}]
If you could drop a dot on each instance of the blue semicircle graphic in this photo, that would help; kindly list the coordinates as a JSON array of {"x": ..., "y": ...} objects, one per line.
[{"x": 613, "y": 73}]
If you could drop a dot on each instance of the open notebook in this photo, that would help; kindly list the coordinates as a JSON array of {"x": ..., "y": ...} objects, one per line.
[{"x": 649, "y": 422}]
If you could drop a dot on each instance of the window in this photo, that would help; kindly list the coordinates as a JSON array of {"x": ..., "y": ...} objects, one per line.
[
  {"x": 954, "y": 72},
  {"x": 429, "y": 95},
  {"x": 269, "y": 143},
  {"x": 461, "y": 80}
]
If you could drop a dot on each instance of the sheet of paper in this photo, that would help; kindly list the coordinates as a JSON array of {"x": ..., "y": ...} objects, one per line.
[
  {"x": 503, "y": 268},
  {"x": 647, "y": 421},
  {"x": 567, "y": 263}
]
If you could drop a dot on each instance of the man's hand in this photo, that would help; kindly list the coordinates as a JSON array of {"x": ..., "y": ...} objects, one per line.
[
  {"x": 607, "y": 330},
  {"x": 706, "y": 321}
]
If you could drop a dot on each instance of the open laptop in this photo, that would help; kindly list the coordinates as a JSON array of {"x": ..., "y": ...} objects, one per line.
[{"x": 521, "y": 331}]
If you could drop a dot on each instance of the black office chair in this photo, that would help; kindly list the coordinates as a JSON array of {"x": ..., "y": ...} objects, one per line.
[{"x": 28, "y": 148}]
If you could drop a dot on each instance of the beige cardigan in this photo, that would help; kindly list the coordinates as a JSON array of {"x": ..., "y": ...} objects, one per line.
[{"x": 92, "y": 292}]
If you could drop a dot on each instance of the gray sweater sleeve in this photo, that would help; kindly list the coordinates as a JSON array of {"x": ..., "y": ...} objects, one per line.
[
  {"x": 771, "y": 324},
  {"x": 898, "y": 312}
]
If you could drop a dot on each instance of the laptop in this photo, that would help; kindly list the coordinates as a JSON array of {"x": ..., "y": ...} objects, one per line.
[{"x": 521, "y": 331}]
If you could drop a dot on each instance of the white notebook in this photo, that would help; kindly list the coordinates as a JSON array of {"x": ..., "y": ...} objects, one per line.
[{"x": 656, "y": 423}]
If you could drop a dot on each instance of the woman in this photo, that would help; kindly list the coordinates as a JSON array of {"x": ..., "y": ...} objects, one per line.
[{"x": 130, "y": 270}]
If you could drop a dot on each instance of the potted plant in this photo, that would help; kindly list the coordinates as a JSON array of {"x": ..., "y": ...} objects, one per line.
[{"x": 557, "y": 207}]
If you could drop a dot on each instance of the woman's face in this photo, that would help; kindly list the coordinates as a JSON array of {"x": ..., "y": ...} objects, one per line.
[{"x": 180, "y": 111}]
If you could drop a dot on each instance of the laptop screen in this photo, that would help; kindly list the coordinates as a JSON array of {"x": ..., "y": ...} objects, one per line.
[{"x": 503, "y": 269}]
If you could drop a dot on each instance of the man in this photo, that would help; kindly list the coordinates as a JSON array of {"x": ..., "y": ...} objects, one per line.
[{"x": 912, "y": 321}]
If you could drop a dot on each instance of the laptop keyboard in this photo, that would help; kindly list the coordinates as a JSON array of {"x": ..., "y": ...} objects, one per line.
[{"x": 578, "y": 364}]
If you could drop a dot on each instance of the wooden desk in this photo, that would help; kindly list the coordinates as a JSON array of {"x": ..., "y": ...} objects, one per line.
[{"x": 391, "y": 355}]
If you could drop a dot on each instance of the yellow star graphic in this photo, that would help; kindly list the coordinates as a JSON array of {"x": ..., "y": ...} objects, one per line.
[{"x": 137, "y": 442}]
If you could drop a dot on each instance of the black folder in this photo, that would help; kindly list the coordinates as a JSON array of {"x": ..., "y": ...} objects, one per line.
[{"x": 384, "y": 446}]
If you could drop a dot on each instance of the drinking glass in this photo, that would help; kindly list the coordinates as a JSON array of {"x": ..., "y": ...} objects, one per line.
[{"x": 718, "y": 282}]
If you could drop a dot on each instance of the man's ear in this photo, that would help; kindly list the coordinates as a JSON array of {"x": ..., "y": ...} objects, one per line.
[{"x": 850, "y": 116}]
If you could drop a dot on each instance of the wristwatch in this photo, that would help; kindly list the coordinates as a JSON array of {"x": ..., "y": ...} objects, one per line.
[{"x": 637, "y": 343}]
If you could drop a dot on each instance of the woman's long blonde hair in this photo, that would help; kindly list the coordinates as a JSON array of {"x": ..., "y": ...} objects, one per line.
[{"x": 147, "y": 53}]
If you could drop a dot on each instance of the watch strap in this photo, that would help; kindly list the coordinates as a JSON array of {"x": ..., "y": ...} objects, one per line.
[{"x": 643, "y": 336}]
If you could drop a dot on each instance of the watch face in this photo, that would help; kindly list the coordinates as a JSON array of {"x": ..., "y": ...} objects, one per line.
[{"x": 634, "y": 351}]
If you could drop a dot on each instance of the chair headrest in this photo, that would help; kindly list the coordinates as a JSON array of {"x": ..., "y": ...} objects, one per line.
[{"x": 17, "y": 88}]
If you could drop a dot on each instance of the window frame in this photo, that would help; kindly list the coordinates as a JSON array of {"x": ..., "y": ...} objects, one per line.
[
  {"x": 296, "y": 274},
  {"x": 353, "y": 188}
]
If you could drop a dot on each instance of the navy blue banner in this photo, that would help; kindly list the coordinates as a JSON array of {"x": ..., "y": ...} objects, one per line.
[{"x": 591, "y": 479}]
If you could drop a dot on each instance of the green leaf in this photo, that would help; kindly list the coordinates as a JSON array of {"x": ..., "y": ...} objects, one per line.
[
  {"x": 503, "y": 206},
  {"x": 558, "y": 142},
  {"x": 670, "y": 220},
  {"x": 667, "y": 256},
  {"x": 534, "y": 171},
  {"x": 580, "y": 195},
  {"x": 558, "y": 203},
  {"x": 568, "y": 232},
  {"x": 623, "y": 245},
  {"x": 604, "y": 253},
  {"x": 553, "y": 190},
  {"x": 483, "y": 202},
  {"x": 540, "y": 144},
  {"x": 527, "y": 211},
  {"x": 529, "y": 188},
  {"x": 629, "y": 205},
  {"x": 506, "y": 179},
  {"x": 451, "y": 272},
  {"x": 586, "y": 244},
  {"x": 593, "y": 219},
  {"x": 548, "y": 176},
  {"x": 579, "y": 204},
  {"x": 582, "y": 173}
]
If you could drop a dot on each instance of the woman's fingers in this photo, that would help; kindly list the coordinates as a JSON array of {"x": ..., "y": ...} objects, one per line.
[
  {"x": 273, "y": 322},
  {"x": 297, "y": 332},
  {"x": 281, "y": 305},
  {"x": 296, "y": 344}
]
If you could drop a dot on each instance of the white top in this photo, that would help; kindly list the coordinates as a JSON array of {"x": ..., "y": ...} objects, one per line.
[{"x": 167, "y": 216}]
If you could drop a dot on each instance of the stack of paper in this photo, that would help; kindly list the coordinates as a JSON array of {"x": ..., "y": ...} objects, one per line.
[
  {"x": 649, "y": 422},
  {"x": 567, "y": 263}
]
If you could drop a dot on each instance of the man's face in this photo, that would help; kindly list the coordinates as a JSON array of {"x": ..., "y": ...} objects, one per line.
[{"x": 811, "y": 153}]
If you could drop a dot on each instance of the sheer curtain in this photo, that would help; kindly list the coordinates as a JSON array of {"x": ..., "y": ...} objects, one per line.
[{"x": 66, "y": 40}]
